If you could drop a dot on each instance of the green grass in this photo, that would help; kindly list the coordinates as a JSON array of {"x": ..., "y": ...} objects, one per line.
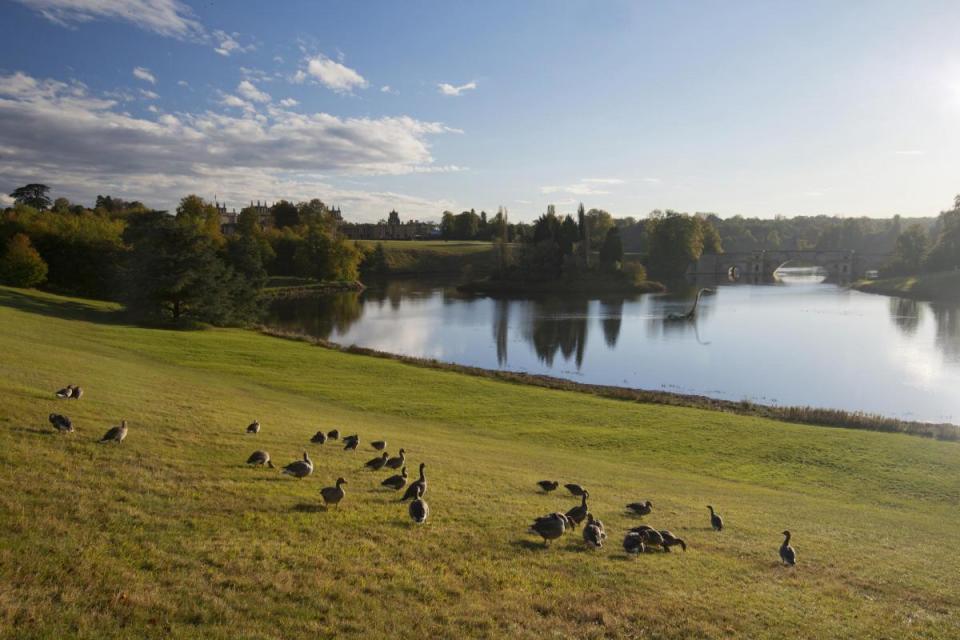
[
  {"x": 940, "y": 286},
  {"x": 415, "y": 257},
  {"x": 169, "y": 533}
]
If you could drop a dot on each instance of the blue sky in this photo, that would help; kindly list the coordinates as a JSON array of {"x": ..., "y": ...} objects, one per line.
[{"x": 752, "y": 108}]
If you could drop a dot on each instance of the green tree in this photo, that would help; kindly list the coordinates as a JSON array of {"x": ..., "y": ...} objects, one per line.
[
  {"x": 611, "y": 252},
  {"x": 910, "y": 252},
  {"x": 175, "y": 273},
  {"x": 676, "y": 240},
  {"x": 34, "y": 195},
  {"x": 285, "y": 214},
  {"x": 945, "y": 253},
  {"x": 203, "y": 215},
  {"x": 21, "y": 265},
  {"x": 61, "y": 205}
]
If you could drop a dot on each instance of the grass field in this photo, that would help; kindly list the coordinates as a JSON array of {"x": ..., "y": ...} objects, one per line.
[
  {"x": 169, "y": 534},
  {"x": 941, "y": 286},
  {"x": 455, "y": 257}
]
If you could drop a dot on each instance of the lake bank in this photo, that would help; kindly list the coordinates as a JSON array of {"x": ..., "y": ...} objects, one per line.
[
  {"x": 934, "y": 287},
  {"x": 593, "y": 285},
  {"x": 171, "y": 533}
]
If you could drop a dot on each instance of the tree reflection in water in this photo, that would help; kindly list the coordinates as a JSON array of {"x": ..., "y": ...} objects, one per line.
[
  {"x": 948, "y": 330},
  {"x": 611, "y": 311},
  {"x": 558, "y": 324},
  {"x": 317, "y": 316},
  {"x": 905, "y": 313}
]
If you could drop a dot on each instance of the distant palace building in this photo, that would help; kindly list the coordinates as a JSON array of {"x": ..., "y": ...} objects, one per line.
[{"x": 392, "y": 229}]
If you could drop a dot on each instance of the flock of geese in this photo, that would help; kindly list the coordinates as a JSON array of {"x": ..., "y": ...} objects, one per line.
[
  {"x": 638, "y": 539},
  {"x": 550, "y": 527},
  {"x": 419, "y": 510}
]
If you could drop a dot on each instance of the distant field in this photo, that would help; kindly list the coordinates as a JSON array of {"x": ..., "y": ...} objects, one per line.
[
  {"x": 944, "y": 285},
  {"x": 436, "y": 257},
  {"x": 169, "y": 534}
]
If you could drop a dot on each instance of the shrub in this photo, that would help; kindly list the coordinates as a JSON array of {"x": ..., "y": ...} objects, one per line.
[{"x": 22, "y": 265}]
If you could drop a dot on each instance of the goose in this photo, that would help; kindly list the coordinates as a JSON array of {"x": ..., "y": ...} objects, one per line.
[
  {"x": 319, "y": 438},
  {"x": 412, "y": 490},
  {"x": 396, "y": 482},
  {"x": 115, "y": 434},
  {"x": 77, "y": 393},
  {"x": 397, "y": 461},
  {"x": 574, "y": 489},
  {"x": 61, "y": 423},
  {"x": 419, "y": 510},
  {"x": 333, "y": 495},
  {"x": 377, "y": 463},
  {"x": 649, "y": 535},
  {"x": 379, "y": 445},
  {"x": 254, "y": 427},
  {"x": 787, "y": 554},
  {"x": 633, "y": 543},
  {"x": 593, "y": 533},
  {"x": 350, "y": 443},
  {"x": 333, "y": 434},
  {"x": 716, "y": 522},
  {"x": 299, "y": 468},
  {"x": 641, "y": 508},
  {"x": 259, "y": 459},
  {"x": 548, "y": 485},
  {"x": 550, "y": 527},
  {"x": 66, "y": 392},
  {"x": 670, "y": 540},
  {"x": 579, "y": 512}
]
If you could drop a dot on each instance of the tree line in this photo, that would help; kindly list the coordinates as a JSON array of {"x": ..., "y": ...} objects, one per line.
[{"x": 168, "y": 267}]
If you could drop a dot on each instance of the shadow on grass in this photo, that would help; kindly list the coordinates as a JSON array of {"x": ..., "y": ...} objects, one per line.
[
  {"x": 531, "y": 545},
  {"x": 309, "y": 507},
  {"x": 59, "y": 308},
  {"x": 42, "y": 432}
]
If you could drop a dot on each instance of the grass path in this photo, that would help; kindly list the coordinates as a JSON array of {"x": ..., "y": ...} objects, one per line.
[{"x": 170, "y": 534}]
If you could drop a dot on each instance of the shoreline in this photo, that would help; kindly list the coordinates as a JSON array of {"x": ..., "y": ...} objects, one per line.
[
  {"x": 823, "y": 417},
  {"x": 943, "y": 286},
  {"x": 590, "y": 286}
]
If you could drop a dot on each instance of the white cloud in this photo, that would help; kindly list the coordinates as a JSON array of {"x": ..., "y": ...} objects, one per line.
[
  {"x": 250, "y": 92},
  {"x": 388, "y": 89},
  {"x": 332, "y": 75},
  {"x": 183, "y": 83},
  {"x": 288, "y": 102},
  {"x": 89, "y": 145},
  {"x": 149, "y": 95},
  {"x": 584, "y": 187},
  {"x": 451, "y": 90},
  {"x": 165, "y": 17},
  {"x": 226, "y": 43},
  {"x": 142, "y": 73},
  {"x": 230, "y": 100},
  {"x": 299, "y": 77}
]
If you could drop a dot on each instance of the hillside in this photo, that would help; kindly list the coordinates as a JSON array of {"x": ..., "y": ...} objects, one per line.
[{"x": 171, "y": 534}]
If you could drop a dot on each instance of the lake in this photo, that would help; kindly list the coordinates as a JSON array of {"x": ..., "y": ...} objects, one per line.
[{"x": 799, "y": 341}]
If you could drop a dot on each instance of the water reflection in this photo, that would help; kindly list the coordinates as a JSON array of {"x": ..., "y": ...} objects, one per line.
[
  {"x": 794, "y": 342},
  {"x": 905, "y": 314}
]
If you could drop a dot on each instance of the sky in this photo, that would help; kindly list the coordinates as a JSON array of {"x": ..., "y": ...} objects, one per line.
[{"x": 751, "y": 108}]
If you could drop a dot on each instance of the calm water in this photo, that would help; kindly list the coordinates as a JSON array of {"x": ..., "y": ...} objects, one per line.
[{"x": 799, "y": 342}]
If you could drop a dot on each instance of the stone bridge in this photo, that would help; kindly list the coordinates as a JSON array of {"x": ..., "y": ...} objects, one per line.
[{"x": 840, "y": 264}]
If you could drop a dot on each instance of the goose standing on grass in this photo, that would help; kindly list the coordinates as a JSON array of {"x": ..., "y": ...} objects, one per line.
[
  {"x": 115, "y": 434},
  {"x": 77, "y": 393},
  {"x": 66, "y": 392},
  {"x": 633, "y": 543},
  {"x": 548, "y": 485},
  {"x": 670, "y": 540},
  {"x": 333, "y": 495},
  {"x": 419, "y": 509},
  {"x": 299, "y": 468},
  {"x": 396, "y": 482},
  {"x": 319, "y": 438},
  {"x": 550, "y": 527},
  {"x": 397, "y": 461},
  {"x": 649, "y": 535},
  {"x": 333, "y": 434},
  {"x": 641, "y": 508},
  {"x": 413, "y": 490},
  {"x": 716, "y": 522},
  {"x": 350, "y": 443},
  {"x": 254, "y": 427},
  {"x": 787, "y": 554},
  {"x": 379, "y": 445},
  {"x": 579, "y": 513},
  {"x": 61, "y": 423},
  {"x": 259, "y": 459},
  {"x": 574, "y": 489},
  {"x": 377, "y": 463},
  {"x": 593, "y": 533}
]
